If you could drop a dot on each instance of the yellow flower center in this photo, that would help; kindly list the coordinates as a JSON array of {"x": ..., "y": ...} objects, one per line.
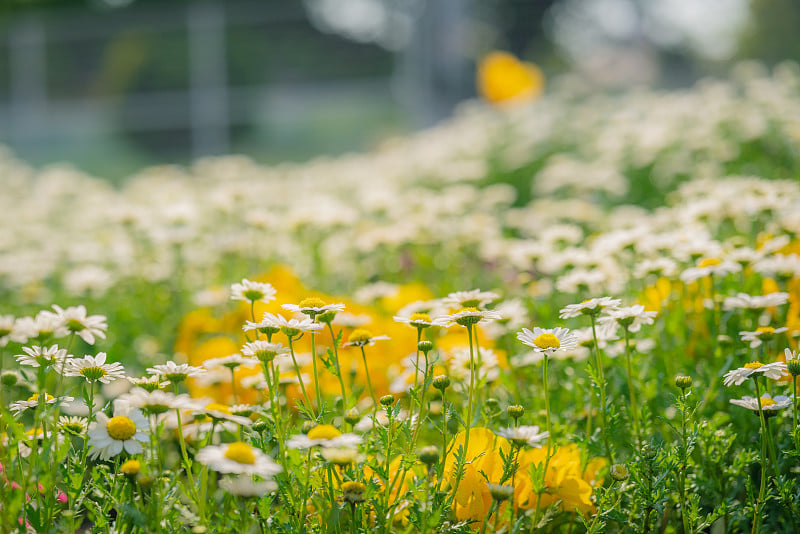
[
  {"x": 130, "y": 468},
  {"x": 240, "y": 453},
  {"x": 547, "y": 341},
  {"x": 753, "y": 365},
  {"x": 218, "y": 408},
  {"x": 708, "y": 262},
  {"x": 767, "y": 402},
  {"x": 35, "y": 397},
  {"x": 360, "y": 336},
  {"x": 472, "y": 309},
  {"x": 420, "y": 317},
  {"x": 324, "y": 432},
  {"x": 312, "y": 302},
  {"x": 121, "y": 428},
  {"x": 765, "y": 330}
]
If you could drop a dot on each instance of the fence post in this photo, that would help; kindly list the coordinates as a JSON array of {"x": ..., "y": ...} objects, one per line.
[
  {"x": 28, "y": 91},
  {"x": 208, "y": 87}
]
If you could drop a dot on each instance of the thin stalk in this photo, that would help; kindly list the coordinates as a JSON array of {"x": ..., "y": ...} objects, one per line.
[
  {"x": 297, "y": 370},
  {"x": 468, "y": 422},
  {"x": 316, "y": 375},
  {"x": 764, "y": 473},
  {"x": 634, "y": 407},
  {"x": 369, "y": 381},
  {"x": 338, "y": 370},
  {"x": 684, "y": 519},
  {"x": 602, "y": 385}
]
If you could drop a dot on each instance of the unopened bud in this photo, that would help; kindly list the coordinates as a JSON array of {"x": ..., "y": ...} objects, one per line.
[
  {"x": 515, "y": 411},
  {"x": 683, "y": 382},
  {"x": 441, "y": 382},
  {"x": 429, "y": 455},
  {"x": 387, "y": 400},
  {"x": 619, "y": 472}
]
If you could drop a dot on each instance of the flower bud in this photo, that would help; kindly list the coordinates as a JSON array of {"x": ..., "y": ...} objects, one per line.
[
  {"x": 452, "y": 423},
  {"x": 619, "y": 472},
  {"x": 683, "y": 382},
  {"x": 353, "y": 492},
  {"x": 441, "y": 382},
  {"x": 9, "y": 379},
  {"x": 352, "y": 416},
  {"x": 501, "y": 492},
  {"x": 793, "y": 366},
  {"x": 425, "y": 346},
  {"x": 259, "y": 426},
  {"x": 387, "y": 400},
  {"x": 307, "y": 426},
  {"x": 429, "y": 455},
  {"x": 515, "y": 411}
]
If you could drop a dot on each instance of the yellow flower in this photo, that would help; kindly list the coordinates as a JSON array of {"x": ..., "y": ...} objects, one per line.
[
  {"x": 473, "y": 498},
  {"x": 502, "y": 78}
]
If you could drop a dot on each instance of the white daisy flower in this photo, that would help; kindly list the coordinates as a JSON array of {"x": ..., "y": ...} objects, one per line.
[
  {"x": 313, "y": 307},
  {"x": 474, "y": 298},
  {"x": 661, "y": 266},
  {"x": 736, "y": 377},
  {"x": 95, "y": 368},
  {"x": 231, "y": 361},
  {"x": 751, "y": 302},
  {"x": 33, "y": 401},
  {"x": 290, "y": 327},
  {"x": 219, "y": 412},
  {"x": 6, "y": 329},
  {"x": 37, "y": 356},
  {"x": 467, "y": 317},
  {"x": 263, "y": 350},
  {"x": 156, "y": 402},
  {"x": 126, "y": 430},
  {"x": 239, "y": 458},
  {"x": 415, "y": 320},
  {"x": 361, "y": 337},
  {"x": 368, "y": 422},
  {"x": 768, "y": 403},
  {"x": 323, "y": 436},
  {"x": 459, "y": 366},
  {"x": 760, "y": 334},
  {"x": 86, "y": 326},
  {"x": 73, "y": 425},
  {"x": 252, "y": 291},
  {"x": 341, "y": 456},
  {"x": 630, "y": 317},
  {"x": 245, "y": 486},
  {"x": 175, "y": 372},
  {"x": 588, "y": 307},
  {"x": 48, "y": 324},
  {"x": 709, "y": 267},
  {"x": 548, "y": 340},
  {"x": 351, "y": 320},
  {"x": 433, "y": 308},
  {"x": 524, "y": 435},
  {"x": 149, "y": 383}
]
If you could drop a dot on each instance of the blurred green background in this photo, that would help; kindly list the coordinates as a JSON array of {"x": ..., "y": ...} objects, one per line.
[{"x": 115, "y": 85}]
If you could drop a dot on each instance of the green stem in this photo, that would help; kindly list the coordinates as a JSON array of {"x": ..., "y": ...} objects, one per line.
[
  {"x": 369, "y": 381},
  {"x": 468, "y": 421},
  {"x": 634, "y": 407},
  {"x": 602, "y": 385},
  {"x": 338, "y": 371},
  {"x": 316, "y": 375},
  {"x": 297, "y": 370}
]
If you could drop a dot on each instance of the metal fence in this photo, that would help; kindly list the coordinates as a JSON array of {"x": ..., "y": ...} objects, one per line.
[{"x": 75, "y": 76}]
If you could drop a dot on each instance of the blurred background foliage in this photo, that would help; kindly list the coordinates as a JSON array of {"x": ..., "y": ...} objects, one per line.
[{"x": 114, "y": 85}]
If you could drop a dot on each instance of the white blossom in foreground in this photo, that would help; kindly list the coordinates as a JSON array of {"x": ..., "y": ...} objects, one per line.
[
  {"x": 238, "y": 458},
  {"x": 126, "y": 430}
]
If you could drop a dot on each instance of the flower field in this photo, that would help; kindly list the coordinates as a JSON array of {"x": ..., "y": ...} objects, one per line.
[{"x": 577, "y": 314}]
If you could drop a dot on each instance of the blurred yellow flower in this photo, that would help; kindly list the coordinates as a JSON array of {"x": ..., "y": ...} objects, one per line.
[{"x": 502, "y": 78}]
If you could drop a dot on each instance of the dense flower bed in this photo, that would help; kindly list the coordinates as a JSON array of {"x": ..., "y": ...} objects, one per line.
[{"x": 234, "y": 347}]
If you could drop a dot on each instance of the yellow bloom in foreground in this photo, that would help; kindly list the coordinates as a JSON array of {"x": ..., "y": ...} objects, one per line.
[
  {"x": 566, "y": 480},
  {"x": 503, "y": 78}
]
